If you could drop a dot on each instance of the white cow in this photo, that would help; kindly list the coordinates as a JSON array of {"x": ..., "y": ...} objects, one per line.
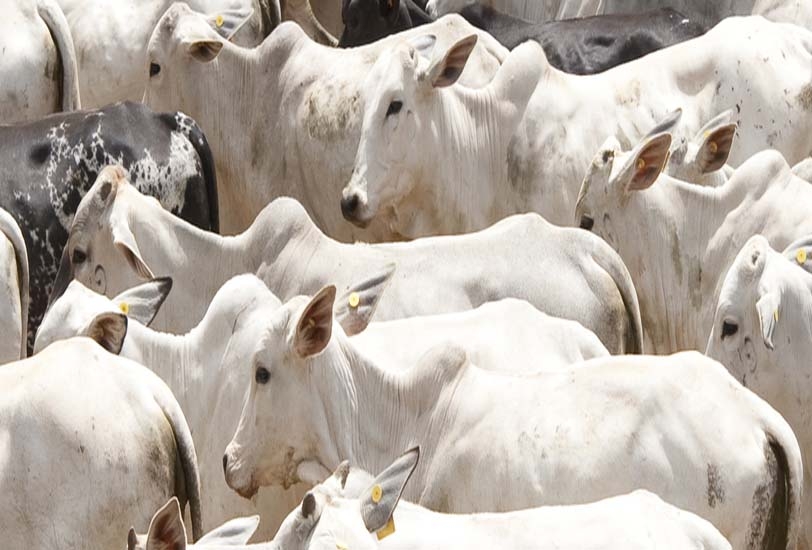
[
  {"x": 677, "y": 239},
  {"x": 328, "y": 518},
  {"x": 14, "y": 296},
  {"x": 531, "y": 440},
  {"x": 38, "y": 75},
  {"x": 90, "y": 444},
  {"x": 282, "y": 119},
  {"x": 762, "y": 333},
  {"x": 124, "y": 237},
  {"x": 798, "y": 12},
  {"x": 435, "y": 158},
  {"x": 111, "y": 39},
  {"x": 531, "y": 10}
]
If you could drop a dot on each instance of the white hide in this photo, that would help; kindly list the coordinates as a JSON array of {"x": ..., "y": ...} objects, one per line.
[
  {"x": 111, "y": 40},
  {"x": 762, "y": 333},
  {"x": 87, "y": 448},
  {"x": 205, "y": 370},
  {"x": 125, "y": 237},
  {"x": 39, "y": 74},
  {"x": 314, "y": 399},
  {"x": 14, "y": 297},
  {"x": 320, "y": 19},
  {"x": 283, "y": 119},
  {"x": 798, "y": 12},
  {"x": 485, "y": 154},
  {"x": 677, "y": 239}
]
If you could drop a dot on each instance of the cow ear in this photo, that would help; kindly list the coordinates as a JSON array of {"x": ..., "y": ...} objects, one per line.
[
  {"x": 645, "y": 163},
  {"x": 379, "y": 501},
  {"x": 767, "y": 307},
  {"x": 166, "y": 531},
  {"x": 355, "y": 308},
  {"x": 108, "y": 330},
  {"x": 389, "y": 8},
  {"x": 227, "y": 23},
  {"x": 315, "y": 326},
  {"x": 124, "y": 240},
  {"x": 235, "y": 532},
  {"x": 142, "y": 302},
  {"x": 447, "y": 70},
  {"x": 423, "y": 44},
  {"x": 132, "y": 539},
  {"x": 714, "y": 147},
  {"x": 204, "y": 50}
]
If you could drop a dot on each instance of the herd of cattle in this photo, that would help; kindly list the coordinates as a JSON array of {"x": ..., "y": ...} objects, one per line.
[{"x": 299, "y": 259}]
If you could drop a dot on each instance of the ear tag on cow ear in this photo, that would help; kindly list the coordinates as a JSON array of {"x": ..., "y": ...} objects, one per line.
[
  {"x": 341, "y": 546},
  {"x": 775, "y": 315},
  {"x": 124, "y": 307},
  {"x": 377, "y": 493},
  {"x": 641, "y": 164},
  {"x": 354, "y": 300},
  {"x": 219, "y": 21},
  {"x": 387, "y": 529},
  {"x": 800, "y": 256},
  {"x": 311, "y": 322},
  {"x": 713, "y": 147}
]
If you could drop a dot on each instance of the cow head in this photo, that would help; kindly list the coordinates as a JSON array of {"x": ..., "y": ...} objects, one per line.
[
  {"x": 284, "y": 419},
  {"x": 366, "y": 21},
  {"x": 102, "y": 252},
  {"x": 761, "y": 329},
  {"x": 613, "y": 177},
  {"x": 706, "y": 153},
  {"x": 167, "y": 532},
  {"x": 327, "y": 520},
  {"x": 181, "y": 50},
  {"x": 399, "y": 99},
  {"x": 80, "y": 311}
]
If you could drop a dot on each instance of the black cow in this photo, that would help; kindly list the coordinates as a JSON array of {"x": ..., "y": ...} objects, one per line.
[
  {"x": 48, "y": 165},
  {"x": 366, "y": 21},
  {"x": 586, "y": 45}
]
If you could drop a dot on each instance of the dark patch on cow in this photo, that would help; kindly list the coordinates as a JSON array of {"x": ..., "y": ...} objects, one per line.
[
  {"x": 769, "y": 525},
  {"x": 366, "y": 21},
  {"x": 51, "y": 163},
  {"x": 716, "y": 491},
  {"x": 804, "y": 97}
]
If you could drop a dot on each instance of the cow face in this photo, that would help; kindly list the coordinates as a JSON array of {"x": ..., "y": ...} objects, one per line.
[
  {"x": 181, "y": 49},
  {"x": 760, "y": 327},
  {"x": 101, "y": 252},
  {"x": 613, "y": 177},
  {"x": 284, "y": 417},
  {"x": 401, "y": 103}
]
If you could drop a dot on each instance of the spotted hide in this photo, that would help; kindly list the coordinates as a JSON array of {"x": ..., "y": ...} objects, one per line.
[{"x": 50, "y": 164}]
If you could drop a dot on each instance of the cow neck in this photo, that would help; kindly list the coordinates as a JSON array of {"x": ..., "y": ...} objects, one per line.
[
  {"x": 375, "y": 413},
  {"x": 169, "y": 244}
]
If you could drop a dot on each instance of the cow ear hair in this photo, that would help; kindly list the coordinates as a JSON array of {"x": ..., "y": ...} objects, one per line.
[
  {"x": 378, "y": 502},
  {"x": 315, "y": 326},
  {"x": 142, "y": 302},
  {"x": 714, "y": 143},
  {"x": 355, "y": 308},
  {"x": 643, "y": 166},
  {"x": 166, "y": 530},
  {"x": 445, "y": 71},
  {"x": 204, "y": 50},
  {"x": 124, "y": 240},
  {"x": 226, "y": 23},
  {"x": 767, "y": 307},
  {"x": 109, "y": 330}
]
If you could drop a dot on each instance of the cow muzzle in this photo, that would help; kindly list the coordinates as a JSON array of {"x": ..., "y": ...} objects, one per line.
[{"x": 354, "y": 208}]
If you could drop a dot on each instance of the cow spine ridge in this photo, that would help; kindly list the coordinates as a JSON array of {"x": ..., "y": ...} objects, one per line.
[
  {"x": 12, "y": 232},
  {"x": 57, "y": 24}
]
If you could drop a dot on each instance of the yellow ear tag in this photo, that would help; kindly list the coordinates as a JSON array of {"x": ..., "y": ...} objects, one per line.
[
  {"x": 219, "y": 21},
  {"x": 641, "y": 164},
  {"x": 713, "y": 147},
  {"x": 377, "y": 493},
  {"x": 387, "y": 530},
  {"x": 355, "y": 299},
  {"x": 800, "y": 256},
  {"x": 775, "y": 315},
  {"x": 341, "y": 546},
  {"x": 124, "y": 307}
]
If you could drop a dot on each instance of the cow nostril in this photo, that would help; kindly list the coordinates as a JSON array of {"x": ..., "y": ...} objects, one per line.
[
  {"x": 225, "y": 463},
  {"x": 587, "y": 222},
  {"x": 349, "y": 205}
]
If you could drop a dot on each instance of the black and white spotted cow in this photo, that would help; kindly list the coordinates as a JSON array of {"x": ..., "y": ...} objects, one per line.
[{"x": 48, "y": 165}]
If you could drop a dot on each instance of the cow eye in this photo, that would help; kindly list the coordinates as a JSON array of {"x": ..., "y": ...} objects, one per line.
[
  {"x": 394, "y": 108},
  {"x": 262, "y": 375},
  {"x": 729, "y": 328},
  {"x": 587, "y": 222},
  {"x": 78, "y": 256},
  {"x": 154, "y": 69}
]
